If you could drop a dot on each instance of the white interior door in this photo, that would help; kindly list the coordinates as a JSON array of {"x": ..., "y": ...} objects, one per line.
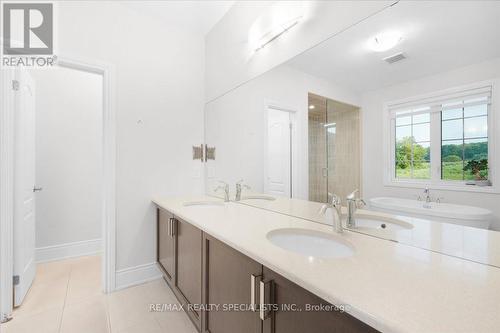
[
  {"x": 24, "y": 183},
  {"x": 279, "y": 153}
]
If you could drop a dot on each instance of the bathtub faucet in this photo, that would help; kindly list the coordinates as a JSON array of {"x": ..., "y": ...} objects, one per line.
[
  {"x": 428, "y": 200},
  {"x": 353, "y": 203}
]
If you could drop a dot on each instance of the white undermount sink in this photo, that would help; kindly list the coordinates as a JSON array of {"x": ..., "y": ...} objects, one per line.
[
  {"x": 258, "y": 197},
  {"x": 311, "y": 243},
  {"x": 203, "y": 203}
]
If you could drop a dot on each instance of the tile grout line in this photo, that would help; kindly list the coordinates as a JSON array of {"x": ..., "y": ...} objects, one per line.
[{"x": 65, "y": 297}]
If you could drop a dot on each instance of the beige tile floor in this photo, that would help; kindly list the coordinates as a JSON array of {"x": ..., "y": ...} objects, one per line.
[{"x": 66, "y": 298}]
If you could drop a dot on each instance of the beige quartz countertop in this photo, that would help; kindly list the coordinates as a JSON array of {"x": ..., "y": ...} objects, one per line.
[
  {"x": 480, "y": 245},
  {"x": 390, "y": 286}
]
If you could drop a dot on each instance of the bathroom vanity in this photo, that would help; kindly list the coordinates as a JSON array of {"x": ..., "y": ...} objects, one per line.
[
  {"x": 203, "y": 271},
  {"x": 383, "y": 286}
]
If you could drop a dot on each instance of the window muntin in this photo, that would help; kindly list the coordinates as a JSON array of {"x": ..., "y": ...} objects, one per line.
[
  {"x": 455, "y": 127},
  {"x": 412, "y": 147},
  {"x": 464, "y": 138}
]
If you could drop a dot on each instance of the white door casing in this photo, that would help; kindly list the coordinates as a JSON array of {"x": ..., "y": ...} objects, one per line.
[
  {"x": 7, "y": 168},
  {"x": 279, "y": 153},
  {"x": 24, "y": 183}
]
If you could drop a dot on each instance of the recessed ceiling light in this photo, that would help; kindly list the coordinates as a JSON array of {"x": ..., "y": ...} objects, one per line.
[
  {"x": 311, "y": 107},
  {"x": 385, "y": 41}
]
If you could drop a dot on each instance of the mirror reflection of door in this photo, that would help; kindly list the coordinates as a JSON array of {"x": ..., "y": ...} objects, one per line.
[
  {"x": 334, "y": 148},
  {"x": 279, "y": 153}
]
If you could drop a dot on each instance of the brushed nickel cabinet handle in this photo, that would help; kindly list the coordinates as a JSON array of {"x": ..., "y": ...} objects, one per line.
[
  {"x": 263, "y": 308},
  {"x": 170, "y": 230},
  {"x": 173, "y": 228},
  {"x": 253, "y": 280}
]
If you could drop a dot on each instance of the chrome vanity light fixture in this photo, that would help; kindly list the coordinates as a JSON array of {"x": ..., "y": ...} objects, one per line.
[{"x": 278, "y": 19}]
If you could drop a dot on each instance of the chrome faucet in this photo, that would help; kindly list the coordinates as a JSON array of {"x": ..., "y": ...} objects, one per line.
[
  {"x": 336, "y": 204},
  {"x": 353, "y": 204},
  {"x": 428, "y": 200},
  {"x": 225, "y": 187},
  {"x": 239, "y": 187}
]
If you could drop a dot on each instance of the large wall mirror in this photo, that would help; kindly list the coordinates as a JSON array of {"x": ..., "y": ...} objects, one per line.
[{"x": 402, "y": 107}]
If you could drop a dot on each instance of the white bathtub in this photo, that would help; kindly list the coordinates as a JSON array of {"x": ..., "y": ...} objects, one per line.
[{"x": 440, "y": 212}]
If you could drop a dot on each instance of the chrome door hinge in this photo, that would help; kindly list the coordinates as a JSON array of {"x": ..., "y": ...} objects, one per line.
[
  {"x": 15, "y": 85},
  {"x": 15, "y": 280}
]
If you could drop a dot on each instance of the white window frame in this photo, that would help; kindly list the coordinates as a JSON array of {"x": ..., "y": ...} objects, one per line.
[{"x": 436, "y": 182}]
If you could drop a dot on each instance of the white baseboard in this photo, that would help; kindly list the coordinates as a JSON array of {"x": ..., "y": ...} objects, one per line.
[
  {"x": 68, "y": 250},
  {"x": 132, "y": 276}
]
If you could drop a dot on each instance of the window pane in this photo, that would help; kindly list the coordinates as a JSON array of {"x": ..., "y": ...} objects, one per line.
[
  {"x": 476, "y": 159},
  {"x": 403, "y": 121},
  {"x": 422, "y": 132},
  {"x": 452, "y": 170},
  {"x": 451, "y": 160},
  {"x": 452, "y": 129},
  {"x": 422, "y": 151},
  {"x": 403, "y": 169},
  {"x": 476, "y": 110},
  {"x": 476, "y": 151},
  {"x": 421, "y": 118},
  {"x": 476, "y": 127},
  {"x": 451, "y": 114},
  {"x": 421, "y": 170},
  {"x": 403, "y": 132},
  {"x": 403, "y": 157}
]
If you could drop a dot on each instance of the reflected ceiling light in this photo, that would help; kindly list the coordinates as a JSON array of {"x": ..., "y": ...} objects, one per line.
[
  {"x": 311, "y": 107},
  {"x": 274, "y": 22},
  {"x": 385, "y": 41}
]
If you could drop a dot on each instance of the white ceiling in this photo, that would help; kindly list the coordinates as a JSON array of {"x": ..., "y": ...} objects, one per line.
[
  {"x": 438, "y": 36},
  {"x": 198, "y": 16}
]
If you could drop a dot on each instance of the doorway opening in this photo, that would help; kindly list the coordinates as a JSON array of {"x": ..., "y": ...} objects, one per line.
[
  {"x": 60, "y": 167},
  {"x": 334, "y": 148}
]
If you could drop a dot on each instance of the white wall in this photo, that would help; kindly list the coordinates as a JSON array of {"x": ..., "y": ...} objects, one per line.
[
  {"x": 68, "y": 156},
  {"x": 230, "y": 60},
  {"x": 373, "y": 128},
  {"x": 236, "y": 125},
  {"x": 159, "y": 100}
]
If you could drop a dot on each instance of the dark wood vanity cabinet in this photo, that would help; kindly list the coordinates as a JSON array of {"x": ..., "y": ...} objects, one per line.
[
  {"x": 166, "y": 244},
  {"x": 180, "y": 259},
  {"x": 227, "y": 282},
  {"x": 296, "y": 310},
  {"x": 189, "y": 265},
  {"x": 226, "y": 288}
]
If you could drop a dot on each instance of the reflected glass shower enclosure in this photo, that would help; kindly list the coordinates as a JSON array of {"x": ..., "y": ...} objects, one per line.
[{"x": 334, "y": 148}]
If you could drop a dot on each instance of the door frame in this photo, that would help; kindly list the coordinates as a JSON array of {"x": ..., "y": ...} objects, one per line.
[
  {"x": 108, "y": 223},
  {"x": 269, "y": 104}
]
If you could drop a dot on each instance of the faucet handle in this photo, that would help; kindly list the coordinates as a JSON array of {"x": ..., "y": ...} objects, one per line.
[
  {"x": 323, "y": 209},
  {"x": 334, "y": 203},
  {"x": 240, "y": 183},
  {"x": 223, "y": 186},
  {"x": 360, "y": 203},
  {"x": 352, "y": 195}
]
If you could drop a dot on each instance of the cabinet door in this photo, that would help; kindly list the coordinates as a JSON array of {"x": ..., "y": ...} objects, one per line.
[
  {"x": 166, "y": 244},
  {"x": 227, "y": 281},
  {"x": 189, "y": 265},
  {"x": 282, "y": 293}
]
